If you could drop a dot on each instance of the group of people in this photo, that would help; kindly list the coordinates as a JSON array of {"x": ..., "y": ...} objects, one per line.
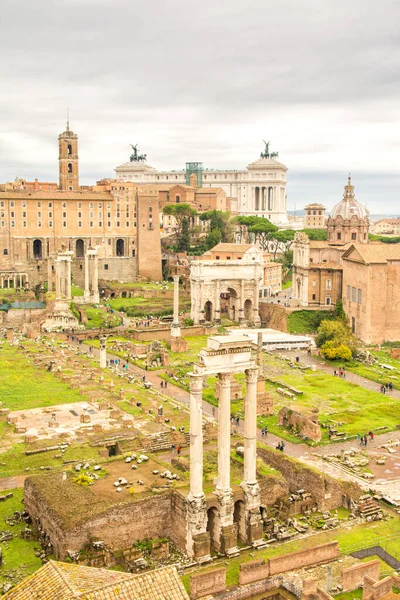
[
  {"x": 340, "y": 373},
  {"x": 364, "y": 439},
  {"x": 264, "y": 432},
  {"x": 163, "y": 384},
  {"x": 146, "y": 323},
  {"x": 280, "y": 446},
  {"x": 385, "y": 387}
]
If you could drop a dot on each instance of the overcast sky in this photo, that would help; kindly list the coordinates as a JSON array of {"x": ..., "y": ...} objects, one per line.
[{"x": 207, "y": 81}]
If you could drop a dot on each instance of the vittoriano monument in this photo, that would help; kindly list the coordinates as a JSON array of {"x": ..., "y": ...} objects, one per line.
[{"x": 135, "y": 157}]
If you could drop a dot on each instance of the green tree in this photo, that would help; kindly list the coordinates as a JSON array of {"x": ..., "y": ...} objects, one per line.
[
  {"x": 339, "y": 310},
  {"x": 332, "y": 331},
  {"x": 183, "y": 243},
  {"x": 220, "y": 227},
  {"x": 243, "y": 224},
  {"x": 317, "y": 234},
  {"x": 263, "y": 230},
  {"x": 283, "y": 240}
]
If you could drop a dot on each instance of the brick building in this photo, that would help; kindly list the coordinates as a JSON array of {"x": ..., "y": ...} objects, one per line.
[
  {"x": 314, "y": 216},
  {"x": 120, "y": 219}
]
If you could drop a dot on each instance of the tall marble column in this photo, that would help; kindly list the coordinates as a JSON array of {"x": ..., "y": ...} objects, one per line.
[
  {"x": 224, "y": 432},
  {"x": 250, "y": 427},
  {"x": 95, "y": 277},
  {"x": 68, "y": 289},
  {"x": 57, "y": 267},
  {"x": 198, "y": 538},
  {"x": 226, "y": 538},
  {"x": 86, "y": 292},
  {"x": 217, "y": 302},
  {"x": 103, "y": 352},
  {"x": 175, "y": 328},
  {"x": 241, "y": 303},
  {"x": 253, "y": 533}
]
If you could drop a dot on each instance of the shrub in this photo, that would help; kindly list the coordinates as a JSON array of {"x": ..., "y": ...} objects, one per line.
[
  {"x": 83, "y": 479},
  {"x": 188, "y": 322},
  {"x": 332, "y": 352}
]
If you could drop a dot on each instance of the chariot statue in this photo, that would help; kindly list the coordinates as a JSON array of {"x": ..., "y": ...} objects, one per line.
[
  {"x": 135, "y": 157},
  {"x": 267, "y": 153}
]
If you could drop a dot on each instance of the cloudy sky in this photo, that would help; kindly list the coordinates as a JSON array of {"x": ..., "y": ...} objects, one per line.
[{"x": 207, "y": 81}]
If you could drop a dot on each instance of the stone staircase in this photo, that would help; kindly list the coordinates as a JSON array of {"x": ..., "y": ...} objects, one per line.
[
  {"x": 161, "y": 442},
  {"x": 369, "y": 509}
]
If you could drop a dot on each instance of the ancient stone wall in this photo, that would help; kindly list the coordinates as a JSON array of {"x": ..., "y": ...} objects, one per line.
[
  {"x": 373, "y": 590},
  {"x": 118, "y": 527},
  {"x": 353, "y": 577},
  {"x": 297, "y": 560},
  {"x": 327, "y": 492},
  {"x": 253, "y": 571},
  {"x": 306, "y": 424},
  {"x": 272, "y": 488},
  {"x": 273, "y": 315},
  {"x": 210, "y": 582},
  {"x": 179, "y": 525}
]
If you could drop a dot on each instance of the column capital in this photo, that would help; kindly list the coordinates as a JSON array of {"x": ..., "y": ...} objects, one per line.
[
  {"x": 252, "y": 375},
  {"x": 225, "y": 379},
  {"x": 196, "y": 382}
]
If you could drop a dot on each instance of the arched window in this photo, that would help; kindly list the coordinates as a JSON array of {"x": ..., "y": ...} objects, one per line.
[
  {"x": 69, "y": 167},
  {"x": 177, "y": 199},
  {"x": 120, "y": 248},
  {"x": 37, "y": 248},
  {"x": 69, "y": 149},
  {"x": 79, "y": 248},
  {"x": 5, "y": 251}
]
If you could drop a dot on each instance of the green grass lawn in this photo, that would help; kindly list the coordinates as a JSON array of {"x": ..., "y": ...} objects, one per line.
[
  {"x": 287, "y": 284},
  {"x": 337, "y": 399},
  {"x": 18, "y": 554},
  {"x": 23, "y": 386},
  {"x": 116, "y": 285},
  {"x": 375, "y": 372},
  {"x": 98, "y": 317},
  {"x": 76, "y": 290},
  {"x": 307, "y": 321},
  {"x": 138, "y": 307}
]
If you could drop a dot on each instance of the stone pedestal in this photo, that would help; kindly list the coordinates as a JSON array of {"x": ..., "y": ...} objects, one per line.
[{"x": 198, "y": 538}]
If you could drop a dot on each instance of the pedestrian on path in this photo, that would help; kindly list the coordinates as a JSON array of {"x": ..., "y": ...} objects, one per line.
[
  {"x": 172, "y": 448},
  {"x": 178, "y": 450}
]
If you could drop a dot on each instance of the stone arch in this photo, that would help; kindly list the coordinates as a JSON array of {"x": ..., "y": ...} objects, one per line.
[
  {"x": 79, "y": 248},
  {"x": 248, "y": 310},
  {"x": 120, "y": 247},
  {"x": 239, "y": 518},
  {"x": 233, "y": 303},
  {"x": 123, "y": 295},
  {"x": 213, "y": 527},
  {"x": 208, "y": 311},
  {"x": 37, "y": 249}
]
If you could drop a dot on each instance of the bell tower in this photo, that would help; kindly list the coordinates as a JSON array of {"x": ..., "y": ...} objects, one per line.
[{"x": 68, "y": 160}]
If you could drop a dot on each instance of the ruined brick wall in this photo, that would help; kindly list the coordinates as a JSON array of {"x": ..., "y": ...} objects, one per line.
[
  {"x": 273, "y": 315},
  {"x": 373, "y": 590},
  {"x": 297, "y": 560},
  {"x": 272, "y": 489},
  {"x": 164, "y": 333},
  {"x": 119, "y": 526},
  {"x": 327, "y": 492},
  {"x": 178, "y": 525},
  {"x": 353, "y": 577}
]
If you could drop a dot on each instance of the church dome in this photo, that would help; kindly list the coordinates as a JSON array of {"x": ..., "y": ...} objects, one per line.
[{"x": 349, "y": 206}]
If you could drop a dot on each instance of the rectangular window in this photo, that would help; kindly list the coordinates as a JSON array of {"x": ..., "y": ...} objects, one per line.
[
  {"x": 313, "y": 296},
  {"x": 64, "y": 223},
  {"x": 12, "y": 214},
  {"x": 359, "y": 296},
  {"x": 109, "y": 242},
  {"x": 100, "y": 214},
  {"x": 118, "y": 223},
  {"x": 348, "y": 292},
  {"x": 39, "y": 223},
  {"x": 339, "y": 236},
  {"x": 2, "y": 204},
  {"x": 127, "y": 224},
  {"x": 109, "y": 224},
  {"x": 108, "y": 205},
  {"x": 109, "y": 215},
  {"x": 106, "y": 267},
  {"x": 91, "y": 224},
  {"x": 329, "y": 284},
  {"x": 79, "y": 204},
  {"x": 353, "y": 236},
  {"x": 23, "y": 204},
  {"x": 79, "y": 215},
  {"x": 64, "y": 215},
  {"x": 353, "y": 294},
  {"x": 91, "y": 205},
  {"x": 50, "y": 205},
  {"x": 79, "y": 223},
  {"x": 91, "y": 215},
  {"x": 64, "y": 205},
  {"x": 3, "y": 224},
  {"x": 99, "y": 205},
  {"x": 39, "y": 214},
  {"x": 23, "y": 223},
  {"x": 50, "y": 223},
  {"x": 50, "y": 215},
  {"x": 100, "y": 224},
  {"x": 12, "y": 204}
]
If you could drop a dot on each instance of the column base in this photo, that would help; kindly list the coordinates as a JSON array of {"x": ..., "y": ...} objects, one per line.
[
  {"x": 176, "y": 330},
  {"x": 254, "y": 526},
  {"x": 227, "y": 534},
  {"x": 198, "y": 538}
]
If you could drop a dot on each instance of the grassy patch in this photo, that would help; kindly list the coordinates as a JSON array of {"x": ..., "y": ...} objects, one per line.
[
  {"x": 23, "y": 386},
  {"x": 307, "y": 321},
  {"x": 18, "y": 554}
]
